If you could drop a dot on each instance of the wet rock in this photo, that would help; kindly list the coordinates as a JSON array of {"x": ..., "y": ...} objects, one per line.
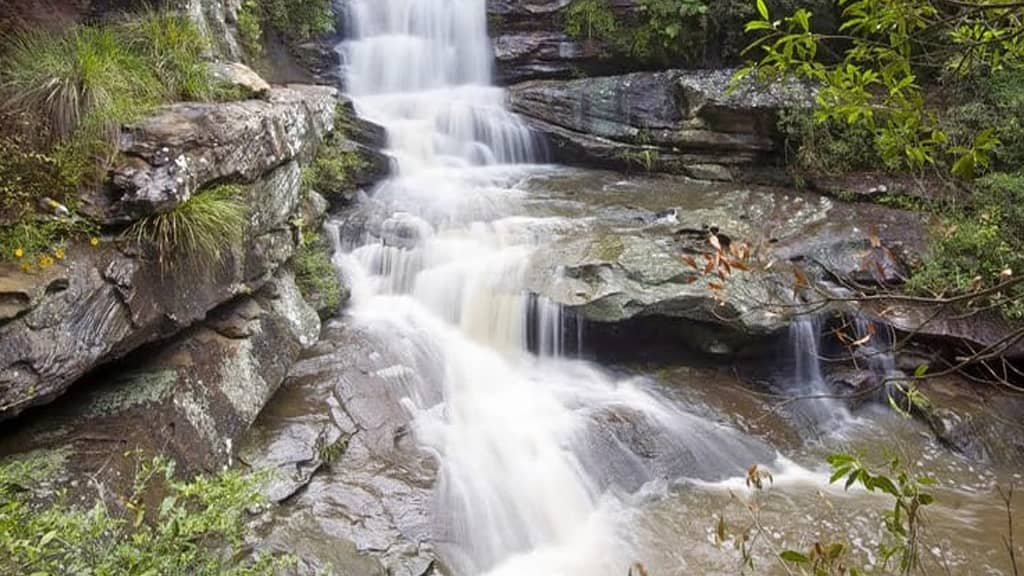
[
  {"x": 353, "y": 488},
  {"x": 191, "y": 400},
  {"x": 685, "y": 122},
  {"x": 170, "y": 156},
  {"x": 101, "y": 303},
  {"x": 982, "y": 423}
]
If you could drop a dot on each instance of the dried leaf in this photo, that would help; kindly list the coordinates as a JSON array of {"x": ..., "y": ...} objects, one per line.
[
  {"x": 715, "y": 242},
  {"x": 690, "y": 262},
  {"x": 874, "y": 238},
  {"x": 715, "y": 286}
]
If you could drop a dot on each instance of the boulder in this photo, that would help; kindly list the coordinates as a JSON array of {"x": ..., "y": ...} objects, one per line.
[
  {"x": 167, "y": 157},
  {"x": 687, "y": 122},
  {"x": 631, "y": 269},
  {"x": 101, "y": 303},
  {"x": 191, "y": 400},
  {"x": 240, "y": 76}
]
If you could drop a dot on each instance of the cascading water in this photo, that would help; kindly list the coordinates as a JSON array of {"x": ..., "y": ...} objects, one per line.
[
  {"x": 805, "y": 340},
  {"x": 537, "y": 453}
]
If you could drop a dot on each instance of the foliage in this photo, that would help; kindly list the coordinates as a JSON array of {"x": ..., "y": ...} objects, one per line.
[
  {"x": 330, "y": 172},
  {"x": 901, "y": 524},
  {"x": 67, "y": 95},
  {"x": 828, "y": 147},
  {"x": 316, "y": 276},
  {"x": 659, "y": 30},
  {"x": 196, "y": 530},
  {"x": 196, "y": 232},
  {"x": 294, "y": 20},
  {"x": 980, "y": 247},
  {"x": 26, "y": 177},
  {"x": 40, "y": 243},
  {"x": 250, "y": 28},
  {"x": 909, "y": 496},
  {"x": 174, "y": 49},
  {"x": 888, "y": 48}
]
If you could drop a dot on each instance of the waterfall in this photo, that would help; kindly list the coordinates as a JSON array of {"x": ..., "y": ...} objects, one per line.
[
  {"x": 807, "y": 380},
  {"x": 535, "y": 450}
]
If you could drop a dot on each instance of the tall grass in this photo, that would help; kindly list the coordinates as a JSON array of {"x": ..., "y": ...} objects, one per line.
[
  {"x": 84, "y": 79},
  {"x": 174, "y": 48},
  {"x": 196, "y": 234}
]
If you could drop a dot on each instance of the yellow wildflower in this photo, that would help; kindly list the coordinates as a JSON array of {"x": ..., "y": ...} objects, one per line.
[
  {"x": 45, "y": 261},
  {"x": 58, "y": 253},
  {"x": 26, "y": 267},
  {"x": 18, "y": 252},
  {"x": 94, "y": 241}
]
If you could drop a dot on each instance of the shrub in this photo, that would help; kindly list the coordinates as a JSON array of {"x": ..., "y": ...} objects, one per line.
[
  {"x": 659, "y": 31},
  {"x": 826, "y": 147},
  {"x": 196, "y": 530},
  {"x": 316, "y": 275},
  {"x": 196, "y": 232},
  {"x": 978, "y": 246},
  {"x": 294, "y": 20},
  {"x": 26, "y": 177}
]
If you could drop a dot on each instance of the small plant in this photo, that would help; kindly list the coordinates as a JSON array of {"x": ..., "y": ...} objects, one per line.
[
  {"x": 330, "y": 172},
  {"x": 197, "y": 529},
  {"x": 250, "y": 28},
  {"x": 316, "y": 275},
  {"x": 197, "y": 232}
]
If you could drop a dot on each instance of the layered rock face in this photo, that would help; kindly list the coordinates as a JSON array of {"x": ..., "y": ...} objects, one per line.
[
  {"x": 102, "y": 303},
  {"x": 690, "y": 123},
  {"x": 190, "y": 399}
]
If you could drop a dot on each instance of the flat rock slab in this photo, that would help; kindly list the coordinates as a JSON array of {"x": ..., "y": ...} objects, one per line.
[{"x": 354, "y": 490}]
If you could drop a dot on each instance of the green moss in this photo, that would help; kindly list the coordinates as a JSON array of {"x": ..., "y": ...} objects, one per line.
[
  {"x": 336, "y": 161},
  {"x": 316, "y": 275}
]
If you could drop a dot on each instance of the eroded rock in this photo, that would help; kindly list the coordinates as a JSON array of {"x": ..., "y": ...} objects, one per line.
[
  {"x": 191, "y": 399},
  {"x": 170, "y": 156},
  {"x": 686, "y": 122}
]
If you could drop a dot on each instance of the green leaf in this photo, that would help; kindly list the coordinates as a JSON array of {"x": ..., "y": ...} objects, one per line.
[
  {"x": 762, "y": 9},
  {"x": 792, "y": 555},
  {"x": 920, "y": 371}
]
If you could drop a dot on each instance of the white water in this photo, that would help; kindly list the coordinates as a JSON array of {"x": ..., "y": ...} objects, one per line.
[
  {"x": 819, "y": 406},
  {"x": 538, "y": 463}
]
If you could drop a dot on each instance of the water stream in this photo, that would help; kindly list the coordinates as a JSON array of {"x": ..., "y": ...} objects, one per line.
[
  {"x": 546, "y": 463},
  {"x": 531, "y": 479}
]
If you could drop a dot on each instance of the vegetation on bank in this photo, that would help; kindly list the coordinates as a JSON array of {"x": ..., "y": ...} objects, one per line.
[
  {"x": 316, "y": 276},
  {"x": 164, "y": 527},
  {"x": 64, "y": 99},
  {"x": 928, "y": 89},
  {"x": 674, "y": 33},
  {"x": 293, "y": 21}
]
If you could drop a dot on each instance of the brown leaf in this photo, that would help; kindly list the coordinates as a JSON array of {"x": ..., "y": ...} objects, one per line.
[
  {"x": 690, "y": 262},
  {"x": 715, "y": 286},
  {"x": 873, "y": 238},
  {"x": 709, "y": 267},
  {"x": 715, "y": 242}
]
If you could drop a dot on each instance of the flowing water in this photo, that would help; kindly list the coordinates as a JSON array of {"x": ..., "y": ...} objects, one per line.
[{"x": 547, "y": 464}]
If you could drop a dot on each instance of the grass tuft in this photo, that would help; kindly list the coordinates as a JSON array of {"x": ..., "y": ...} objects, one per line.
[
  {"x": 316, "y": 276},
  {"x": 196, "y": 233}
]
